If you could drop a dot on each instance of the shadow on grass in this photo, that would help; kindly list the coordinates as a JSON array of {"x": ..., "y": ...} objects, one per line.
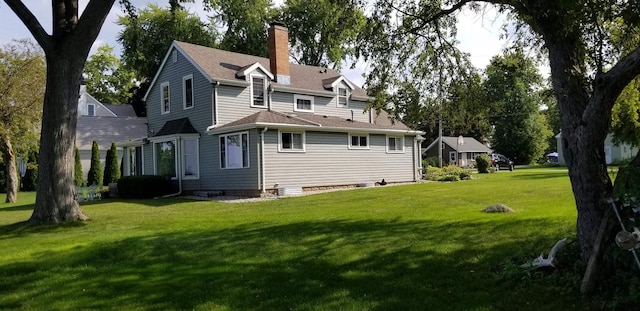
[
  {"x": 346, "y": 265},
  {"x": 546, "y": 175},
  {"x": 16, "y": 208},
  {"x": 24, "y": 227}
]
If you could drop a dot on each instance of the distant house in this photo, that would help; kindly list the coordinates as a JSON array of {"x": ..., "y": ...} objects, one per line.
[
  {"x": 453, "y": 153},
  {"x": 224, "y": 121},
  {"x": 613, "y": 153},
  {"x": 105, "y": 124}
]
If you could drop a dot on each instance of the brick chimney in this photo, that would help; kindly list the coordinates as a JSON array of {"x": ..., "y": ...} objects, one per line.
[{"x": 279, "y": 52}]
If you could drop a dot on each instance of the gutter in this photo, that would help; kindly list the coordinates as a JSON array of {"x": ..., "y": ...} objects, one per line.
[{"x": 262, "y": 167}]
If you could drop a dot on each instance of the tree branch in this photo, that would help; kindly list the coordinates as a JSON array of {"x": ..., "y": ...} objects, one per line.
[
  {"x": 32, "y": 23},
  {"x": 93, "y": 18},
  {"x": 611, "y": 83}
]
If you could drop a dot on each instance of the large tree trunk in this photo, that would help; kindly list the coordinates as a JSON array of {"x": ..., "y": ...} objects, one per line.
[
  {"x": 10, "y": 169},
  {"x": 55, "y": 200}
]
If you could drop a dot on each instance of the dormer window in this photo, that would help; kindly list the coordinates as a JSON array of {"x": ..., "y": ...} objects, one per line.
[
  {"x": 343, "y": 95},
  {"x": 258, "y": 91},
  {"x": 303, "y": 103}
]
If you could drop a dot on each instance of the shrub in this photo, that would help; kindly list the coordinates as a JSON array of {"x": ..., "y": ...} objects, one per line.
[
  {"x": 111, "y": 169},
  {"x": 143, "y": 186},
  {"x": 77, "y": 170},
  {"x": 430, "y": 161},
  {"x": 483, "y": 162},
  {"x": 95, "y": 170},
  {"x": 447, "y": 173}
]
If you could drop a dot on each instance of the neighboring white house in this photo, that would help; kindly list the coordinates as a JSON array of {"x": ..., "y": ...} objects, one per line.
[
  {"x": 224, "y": 121},
  {"x": 105, "y": 124},
  {"x": 613, "y": 153},
  {"x": 453, "y": 153}
]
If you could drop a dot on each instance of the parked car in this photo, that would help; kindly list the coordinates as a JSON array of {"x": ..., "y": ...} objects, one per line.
[{"x": 499, "y": 162}]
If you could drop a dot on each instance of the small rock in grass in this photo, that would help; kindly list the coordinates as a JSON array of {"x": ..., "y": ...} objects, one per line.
[{"x": 498, "y": 208}]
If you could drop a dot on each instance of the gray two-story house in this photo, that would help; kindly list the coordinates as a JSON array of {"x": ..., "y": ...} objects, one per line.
[{"x": 224, "y": 121}]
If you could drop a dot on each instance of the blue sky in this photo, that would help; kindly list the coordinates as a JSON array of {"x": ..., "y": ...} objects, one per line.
[{"x": 478, "y": 35}]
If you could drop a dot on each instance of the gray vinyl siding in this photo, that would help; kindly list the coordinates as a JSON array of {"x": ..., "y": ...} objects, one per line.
[
  {"x": 327, "y": 161},
  {"x": 200, "y": 115},
  {"x": 215, "y": 178},
  {"x": 322, "y": 106},
  {"x": 234, "y": 103}
]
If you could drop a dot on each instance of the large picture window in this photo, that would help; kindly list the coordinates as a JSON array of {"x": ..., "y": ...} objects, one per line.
[
  {"x": 187, "y": 90},
  {"x": 258, "y": 90},
  {"x": 291, "y": 141},
  {"x": 165, "y": 158},
  {"x": 165, "y": 103},
  {"x": 234, "y": 150},
  {"x": 358, "y": 141},
  {"x": 190, "y": 158}
]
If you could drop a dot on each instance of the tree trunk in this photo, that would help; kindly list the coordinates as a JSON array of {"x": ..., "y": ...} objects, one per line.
[
  {"x": 55, "y": 200},
  {"x": 10, "y": 170}
]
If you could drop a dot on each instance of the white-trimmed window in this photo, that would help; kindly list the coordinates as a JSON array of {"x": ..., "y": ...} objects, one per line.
[
  {"x": 395, "y": 144},
  {"x": 190, "y": 160},
  {"x": 165, "y": 158},
  {"x": 258, "y": 91},
  {"x": 91, "y": 110},
  {"x": 187, "y": 92},
  {"x": 165, "y": 102},
  {"x": 292, "y": 141},
  {"x": 358, "y": 141},
  {"x": 234, "y": 150},
  {"x": 303, "y": 103},
  {"x": 453, "y": 157},
  {"x": 343, "y": 96}
]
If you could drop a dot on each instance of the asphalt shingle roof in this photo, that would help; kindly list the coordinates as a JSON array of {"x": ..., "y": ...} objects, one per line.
[
  {"x": 105, "y": 130},
  {"x": 179, "y": 126},
  {"x": 220, "y": 64}
]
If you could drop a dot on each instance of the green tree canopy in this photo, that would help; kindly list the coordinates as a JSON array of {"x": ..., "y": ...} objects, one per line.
[
  {"x": 107, "y": 80},
  {"x": 94, "y": 177},
  {"x": 323, "y": 32},
  {"x": 148, "y": 33},
  {"x": 22, "y": 72},
  {"x": 512, "y": 87}
]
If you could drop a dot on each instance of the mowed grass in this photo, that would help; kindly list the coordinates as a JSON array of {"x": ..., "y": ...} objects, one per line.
[{"x": 411, "y": 247}]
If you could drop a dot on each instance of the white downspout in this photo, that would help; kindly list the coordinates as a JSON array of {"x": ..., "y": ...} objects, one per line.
[
  {"x": 214, "y": 103},
  {"x": 262, "y": 167}
]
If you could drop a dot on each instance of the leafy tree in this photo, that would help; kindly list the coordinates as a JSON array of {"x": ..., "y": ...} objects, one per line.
[
  {"x": 323, "y": 32},
  {"x": 66, "y": 50},
  {"x": 22, "y": 72},
  {"x": 407, "y": 37},
  {"x": 552, "y": 114},
  {"x": 625, "y": 124},
  {"x": 94, "y": 176},
  {"x": 520, "y": 130},
  {"x": 112, "y": 169},
  {"x": 148, "y": 33},
  {"x": 107, "y": 80},
  {"x": 77, "y": 171},
  {"x": 246, "y": 23}
]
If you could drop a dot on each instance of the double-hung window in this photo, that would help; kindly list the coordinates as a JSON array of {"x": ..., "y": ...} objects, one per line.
[
  {"x": 292, "y": 141},
  {"x": 258, "y": 91},
  {"x": 187, "y": 92},
  {"x": 91, "y": 110},
  {"x": 343, "y": 95},
  {"x": 358, "y": 141},
  {"x": 234, "y": 150},
  {"x": 165, "y": 103},
  {"x": 395, "y": 144},
  {"x": 303, "y": 103}
]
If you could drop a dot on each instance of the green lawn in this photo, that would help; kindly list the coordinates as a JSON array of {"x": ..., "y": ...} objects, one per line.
[{"x": 414, "y": 247}]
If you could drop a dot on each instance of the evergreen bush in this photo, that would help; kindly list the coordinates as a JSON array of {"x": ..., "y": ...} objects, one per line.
[
  {"x": 483, "y": 162},
  {"x": 111, "y": 169},
  {"x": 95, "y": 170},
  {"x": 77, "y": 170}
]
